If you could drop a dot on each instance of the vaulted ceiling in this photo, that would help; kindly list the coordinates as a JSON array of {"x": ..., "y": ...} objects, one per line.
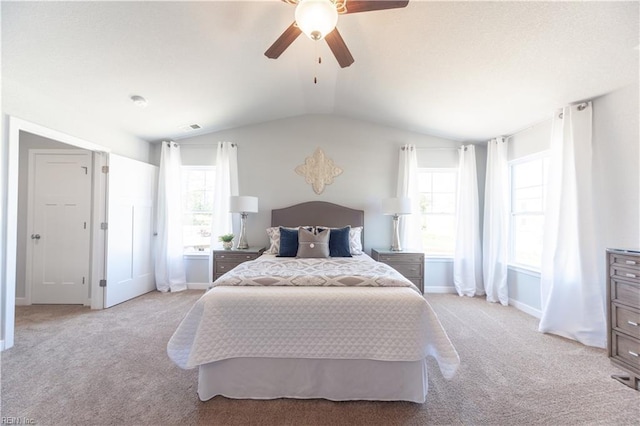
[{"x": 461, "y": 70}]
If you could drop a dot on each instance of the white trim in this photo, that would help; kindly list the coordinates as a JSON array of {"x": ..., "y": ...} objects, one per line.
[
  {"x": 525, "y": 308},
  {"x": 203, "y": 255},
  {"x": 440, "y": 289},
  {"x": 22, "y": 301},
  {"x": 98, "y": 240},
  {"x": 197, "y": 286},
  {"x": 1, "y": 345}
]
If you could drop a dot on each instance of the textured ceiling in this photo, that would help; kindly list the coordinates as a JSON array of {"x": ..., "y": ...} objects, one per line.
[{"x": 462, "y": 70}]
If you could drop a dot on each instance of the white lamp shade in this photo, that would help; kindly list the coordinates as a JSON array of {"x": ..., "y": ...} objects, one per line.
[
  {"x": 393, "y": 206},
  {"x": 243, "y": 204},
  {"x": 316, "y": 18}
]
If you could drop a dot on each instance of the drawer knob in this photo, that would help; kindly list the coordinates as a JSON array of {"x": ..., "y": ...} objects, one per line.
[
  {"x": 248, "y": 257},
  {"x": 633, "y": 353},
  {"x": 630, "y": 262},
  {"x": 222, "y": 256},
  {"x": 630, "y": 275},
  {"x": 635, "y": 324}
]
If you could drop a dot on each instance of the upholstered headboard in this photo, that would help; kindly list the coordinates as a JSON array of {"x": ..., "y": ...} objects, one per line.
[{"x": 317, "y": 213}]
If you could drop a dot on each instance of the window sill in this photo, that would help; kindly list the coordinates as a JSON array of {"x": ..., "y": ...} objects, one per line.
[
  {"x": 527, "y": 270},
  {"x": 196, "y": 255},
  {"x": 438, "y": 258}
]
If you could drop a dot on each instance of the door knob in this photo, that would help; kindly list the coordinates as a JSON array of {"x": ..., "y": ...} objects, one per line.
[{"x": 35, "y": 236}]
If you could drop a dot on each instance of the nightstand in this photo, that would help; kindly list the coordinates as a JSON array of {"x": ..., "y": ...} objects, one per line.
[
  {"x": 226, "y": 260},
  {"x": 408, "y": 263}
]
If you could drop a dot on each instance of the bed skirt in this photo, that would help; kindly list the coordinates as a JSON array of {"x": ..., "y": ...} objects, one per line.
[{"x": 332, "y": 379}]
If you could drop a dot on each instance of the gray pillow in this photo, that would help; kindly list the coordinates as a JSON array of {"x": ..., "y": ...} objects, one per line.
[{"x": 313, "y": 245}]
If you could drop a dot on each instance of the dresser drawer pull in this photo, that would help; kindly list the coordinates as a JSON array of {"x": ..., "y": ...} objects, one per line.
[
  {"x": 630, "y": 275},
  {"x": 635, "y": 324},
  {"x": 630, "y": 262},
  {"x": 248, "y": 257},
  {"x": 633, "y": 353},
  {"x": 222, "y": 256}
]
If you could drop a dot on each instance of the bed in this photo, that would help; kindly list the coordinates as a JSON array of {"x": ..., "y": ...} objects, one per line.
[{"x": 339, "y": 327}]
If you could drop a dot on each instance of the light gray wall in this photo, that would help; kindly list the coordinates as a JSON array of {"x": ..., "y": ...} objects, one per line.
[
  {"x": 368, "y": 153},
  {"x": 616, "y": 178}
]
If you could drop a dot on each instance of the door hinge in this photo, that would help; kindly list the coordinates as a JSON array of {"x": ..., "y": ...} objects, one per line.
[
  {"x": 82, "y": 280},
  {"x": 105, "y": 169},
  {"x": 103, "y": 283},
  {"x": 104, "y": 226}
]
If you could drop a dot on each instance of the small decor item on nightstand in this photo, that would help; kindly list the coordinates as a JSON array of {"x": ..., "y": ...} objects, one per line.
[{"x": 227, "y": 241}]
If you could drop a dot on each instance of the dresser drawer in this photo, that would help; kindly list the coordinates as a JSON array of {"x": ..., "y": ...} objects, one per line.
[
  {"x": 625, "y": 293},
  {"x": 223, "y": 267},
  {"x": 401, "y": 258},
  {"x": 626, "y": 349},
  {"x": 625, "y": 320}
]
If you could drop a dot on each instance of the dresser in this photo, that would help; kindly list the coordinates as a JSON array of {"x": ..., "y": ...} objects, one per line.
[
  {"x": 623, "y": 313},
  {"x": 226, "y": 260},
  {"x": 408, "y": 263}
]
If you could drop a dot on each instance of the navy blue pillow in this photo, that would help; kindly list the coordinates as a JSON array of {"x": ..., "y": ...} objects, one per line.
[
  {"x": 288, "y": 242},
  {"x": 339, "y": 242}
]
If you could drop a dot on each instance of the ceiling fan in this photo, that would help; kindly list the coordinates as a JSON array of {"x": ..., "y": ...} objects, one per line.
[{"x": 318, "y": 18}]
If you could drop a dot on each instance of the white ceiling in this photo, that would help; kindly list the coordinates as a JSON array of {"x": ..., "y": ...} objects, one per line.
[{"x": 461, "y": 70}]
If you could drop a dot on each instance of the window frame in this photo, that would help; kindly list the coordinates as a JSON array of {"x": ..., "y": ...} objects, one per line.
[
  {"x": 512, "y": 263},
  {"x": 184, "y": 168},
  {"x": 452, "y": 170}
]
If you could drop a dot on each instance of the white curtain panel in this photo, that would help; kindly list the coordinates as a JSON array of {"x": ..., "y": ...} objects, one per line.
[
  {"x": 410, "y": 225},
  {"x": 496, "y": 223},
  {"x": 573, "y": 294},
  {"x": 467, "y": 260},
  {"x": 169, "y": 262},
  {"x": 226, "y": 185}
]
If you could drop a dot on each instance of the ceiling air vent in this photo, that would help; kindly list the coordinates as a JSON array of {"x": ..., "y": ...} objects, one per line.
[{"x": 190, "y": 127}]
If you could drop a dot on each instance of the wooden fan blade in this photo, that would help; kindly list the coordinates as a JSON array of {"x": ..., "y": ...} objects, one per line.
[
  {"x": 281, "y": 44},
  {"x": 357, "y": 6},
  {"x": 339, "y": 48}
]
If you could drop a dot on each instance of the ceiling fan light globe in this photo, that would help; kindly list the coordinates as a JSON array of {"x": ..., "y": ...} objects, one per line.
[{"x": 316, "y": 18}]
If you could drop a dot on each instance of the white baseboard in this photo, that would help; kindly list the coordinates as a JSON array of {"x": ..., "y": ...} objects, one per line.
[
  {"x": 526, "y": 308},
  {"x": 197, "y": 286},
  {"x": 21, "y": 301},
  {"x": 440, "y": 289}
]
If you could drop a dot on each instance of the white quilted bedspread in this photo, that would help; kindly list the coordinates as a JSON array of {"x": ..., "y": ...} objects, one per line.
[{"x": 331, "y": 322}]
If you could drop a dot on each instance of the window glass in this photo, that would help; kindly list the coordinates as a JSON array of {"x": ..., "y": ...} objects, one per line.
[
  {"x": 438, "y": 209},
  {"x": 197, "y": 207},
  {"x": 528, "y": 193}
]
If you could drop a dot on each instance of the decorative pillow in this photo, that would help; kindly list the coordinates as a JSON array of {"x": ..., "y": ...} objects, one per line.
[
  {"x": 313, "y": 245},
  {"x": 288, "y": 242},
  {"x": 274, "y": 239},
  {"x": 355, "y": 238},
  {"x": 339, "y": 242}
]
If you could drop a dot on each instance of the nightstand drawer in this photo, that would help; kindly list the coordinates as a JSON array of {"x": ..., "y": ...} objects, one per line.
[
  {"x": 626, "y": 349},
  {"x": 409, "y": 270},
  {"x": 625, "y": 320},
  {"x": 400, "y": 258},
  {"x": 223, "y": 267},
  {"x": 234, "y": 257},
  {"x": 620, "y": 260},
  {"x": 625, "y": 293}
]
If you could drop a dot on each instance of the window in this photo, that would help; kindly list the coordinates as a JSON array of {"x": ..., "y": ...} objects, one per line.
[
  {"x": 528, "y": 193},
  {"x": 438, "y": 209},
  {"x": 197, "y": 207}
]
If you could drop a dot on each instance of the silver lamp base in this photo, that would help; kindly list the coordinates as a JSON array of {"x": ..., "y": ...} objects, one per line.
[
  {"x": 242, "y": 241},
  {"x": 395, "y": 239}
]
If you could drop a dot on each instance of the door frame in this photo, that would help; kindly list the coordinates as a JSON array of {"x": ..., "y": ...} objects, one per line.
[
  {"x": 30, "y": 213},
  {"x": 12, "y": 128}
]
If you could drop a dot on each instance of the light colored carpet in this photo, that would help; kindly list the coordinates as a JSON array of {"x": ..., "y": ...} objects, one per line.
[{"x": 74, "y": 366}]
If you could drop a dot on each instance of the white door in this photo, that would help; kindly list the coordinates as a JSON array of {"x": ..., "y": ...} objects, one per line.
[
  {"x": 59, "y": 231},
  {"x": 130, "y": 229}
]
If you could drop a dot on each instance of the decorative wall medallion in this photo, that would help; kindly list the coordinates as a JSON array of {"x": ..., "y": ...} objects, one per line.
[{"x": 318, "y": 170}]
